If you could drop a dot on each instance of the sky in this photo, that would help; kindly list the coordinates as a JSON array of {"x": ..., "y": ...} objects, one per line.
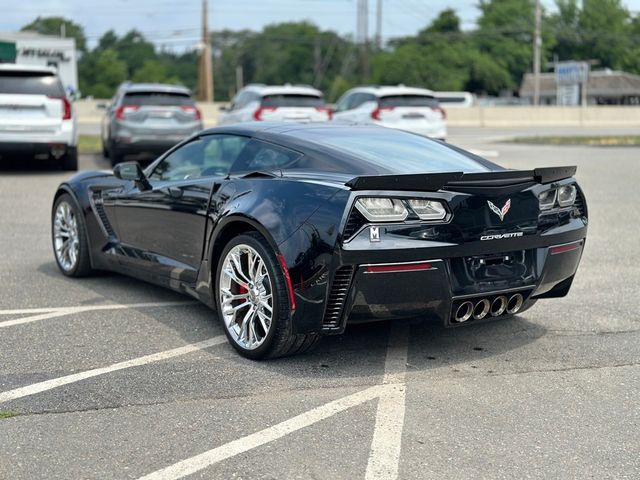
[{"x": 175, "y": 24}]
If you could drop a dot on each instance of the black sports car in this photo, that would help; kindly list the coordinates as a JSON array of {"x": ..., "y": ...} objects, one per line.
[{"x": 291, "y": 232}]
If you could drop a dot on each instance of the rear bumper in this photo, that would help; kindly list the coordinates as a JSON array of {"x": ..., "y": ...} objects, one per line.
[
  {"x": 431, "y": 279},
  {"x": 436, "y": 292},
  {"x": 38, "y": 150},
  {"x": 62, "y": 134},
  {"x": 129, "y": 139}
]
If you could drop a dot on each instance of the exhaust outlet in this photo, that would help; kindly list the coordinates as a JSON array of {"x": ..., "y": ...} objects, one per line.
[
  {"x": 481, "y": 309},
  {"x": 464, "y": 312},
  {"x": 515, "y": 303},
  {"x": 498, "y": 306}
]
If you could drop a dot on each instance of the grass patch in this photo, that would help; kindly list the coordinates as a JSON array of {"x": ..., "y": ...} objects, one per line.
[
  {"x": 591, "y": 140},
  {"x": 7, "y": 414},
  {"x": 89, "y": 144}
]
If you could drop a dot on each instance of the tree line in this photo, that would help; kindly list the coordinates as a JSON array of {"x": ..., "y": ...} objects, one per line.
[{"x": 488, "y": 60}]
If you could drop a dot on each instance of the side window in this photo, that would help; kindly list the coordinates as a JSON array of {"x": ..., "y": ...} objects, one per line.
[
  {"x": 343, "y": 103},
  {"x": 260, "y": 156},
  {"x": 207, "y": 156}
]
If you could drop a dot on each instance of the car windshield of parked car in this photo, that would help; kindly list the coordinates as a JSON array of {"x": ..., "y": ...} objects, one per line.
[
  {"x": 161, "y": 99},
  {"x": 30, "y": 83},
  {"x": 391, "y": 150},
  {"x": 290, "y": 100},
  {"x": 408, "y": 101}
]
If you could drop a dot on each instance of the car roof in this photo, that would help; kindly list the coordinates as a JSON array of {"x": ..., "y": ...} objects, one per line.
[
  {"x": 386, "y": 90},
  {"x": 17, "y": 67},
  {"x": 283, "y": 89},
  {"x": 155, "y": 87}
]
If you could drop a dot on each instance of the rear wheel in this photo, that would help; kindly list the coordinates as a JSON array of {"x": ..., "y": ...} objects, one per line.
[
  {"x": 69, "y": 238},
  {"x": 253, "y": 301},
  {"x": 70, "y": 160},
  {"x": 115, "y": 155}
]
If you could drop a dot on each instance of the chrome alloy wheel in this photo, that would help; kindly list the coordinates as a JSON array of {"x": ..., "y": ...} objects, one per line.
[
  {"x": 246, "y": 296},
  {"x": 66, "y": 241}
]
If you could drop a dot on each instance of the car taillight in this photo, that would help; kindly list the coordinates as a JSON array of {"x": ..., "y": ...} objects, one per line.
[
  {"x": 326, "y": 110},
  {"x": 192, "y": 109},
  {"x": 66, "y": 107},
  {"x": 441, "y": 110},
  {"x": 125, "y": 109},
  {"x": 258, "y": 113},
  {"x": 376, "y": 113}
]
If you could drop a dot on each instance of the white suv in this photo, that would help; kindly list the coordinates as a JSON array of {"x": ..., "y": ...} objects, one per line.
[
  {"x": 412, "y": 109},
  {"x": 36, "y": 117},
  {"x": 295, "y": 103}
]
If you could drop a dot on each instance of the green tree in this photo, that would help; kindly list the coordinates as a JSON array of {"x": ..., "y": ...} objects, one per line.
[
  {"x": 153, "y": 71},
  {"x": 101, "y": 72},
  {"x": 53, "y": 26},
  {"x": 605, "y": 28}
]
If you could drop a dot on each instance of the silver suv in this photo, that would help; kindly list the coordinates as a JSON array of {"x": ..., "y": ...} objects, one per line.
[{"x": 148, "y": 118}]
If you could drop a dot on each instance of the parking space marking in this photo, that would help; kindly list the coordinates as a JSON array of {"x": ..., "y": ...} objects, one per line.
[
  {"x": 385, "y": 448},
  {"x": 135, "y": 362},
  {"x": 257, "y": 439},
  {"x": 55, "y": 312},
  {"x": 384, "y": 456}
]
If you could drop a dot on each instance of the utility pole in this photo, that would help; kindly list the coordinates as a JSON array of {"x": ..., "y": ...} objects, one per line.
[
  {"x": 537, "y": 43},
  {"x": 363, "y": 37},
  {"x": 205, "y": 82},
  {"x": 379, "y": 25}
]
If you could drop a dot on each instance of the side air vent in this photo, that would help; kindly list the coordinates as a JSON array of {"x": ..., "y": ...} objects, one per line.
[
  {"x": 579, "y": 204},
  {"x": 98, "y": 208},
  {"x": 354, "y": 223},
  {"x": 337, "y": 297}
]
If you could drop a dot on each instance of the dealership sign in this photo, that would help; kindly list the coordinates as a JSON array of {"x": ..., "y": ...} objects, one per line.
[{"x": 49, "y": 53}]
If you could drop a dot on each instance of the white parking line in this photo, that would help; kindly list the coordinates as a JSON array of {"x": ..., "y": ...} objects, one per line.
[
  {"x": 384, "y": 456},
  {"x": 390, "y": 416},
  {"x": 135, "y": 362},
  {"x": 46, "y": 313},
  {"x": 244, "y": 444}
]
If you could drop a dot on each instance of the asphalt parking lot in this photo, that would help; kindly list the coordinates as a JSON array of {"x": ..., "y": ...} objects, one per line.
[{"x": 108, "y": 377}]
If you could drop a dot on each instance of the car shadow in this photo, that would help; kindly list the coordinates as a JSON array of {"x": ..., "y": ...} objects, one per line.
[{"x": 357, "y": 353}]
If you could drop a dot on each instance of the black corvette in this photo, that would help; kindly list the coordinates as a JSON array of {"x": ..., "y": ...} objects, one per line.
[{"x": 292, "y": 231}]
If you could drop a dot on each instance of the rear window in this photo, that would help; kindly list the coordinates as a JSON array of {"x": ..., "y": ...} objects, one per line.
[
  {"x": 30, "y": 83},
  {"x": 408, "y": 101},
  {"x": 289, "y": 100},
  {"x": 160, "y": 99}
]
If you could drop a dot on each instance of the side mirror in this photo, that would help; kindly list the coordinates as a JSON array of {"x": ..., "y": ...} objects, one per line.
[{"x": 132, "y": 171}]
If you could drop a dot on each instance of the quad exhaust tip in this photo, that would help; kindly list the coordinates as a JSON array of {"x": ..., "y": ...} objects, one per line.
[
  {"x": 498, "y": 306},
  {"x": 481, "y": 309},
  {"x": 515, "y": 303},
  {"x": 464, "y": 312}
]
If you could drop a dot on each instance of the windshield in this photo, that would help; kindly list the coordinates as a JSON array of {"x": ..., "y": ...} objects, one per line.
[
  {"x": 289, "y": 100},
  {"x": 30, "y": 83},
  {"x": 377, "y": 149},
  {"x": 162, "y": 99},
  {"x": 408, "y": 101}
]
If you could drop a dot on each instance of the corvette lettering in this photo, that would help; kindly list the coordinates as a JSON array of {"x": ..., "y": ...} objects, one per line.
[{"x": 499, "y": 236}]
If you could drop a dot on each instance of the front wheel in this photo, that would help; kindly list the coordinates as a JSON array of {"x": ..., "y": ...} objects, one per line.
[
  {"x": 69, "y": 238},
  {"x": 253, "y": 301}
]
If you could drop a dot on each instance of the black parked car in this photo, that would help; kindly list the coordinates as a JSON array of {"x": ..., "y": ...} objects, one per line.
[{"x": 291, "y": 232}]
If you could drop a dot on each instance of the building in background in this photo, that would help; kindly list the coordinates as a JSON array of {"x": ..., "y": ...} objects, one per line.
[
  {"x": 30, "y": 48},
  {"x": 603, "y": 87}
]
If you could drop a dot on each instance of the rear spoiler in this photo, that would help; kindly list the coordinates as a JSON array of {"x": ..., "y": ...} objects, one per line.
[{"x": 433, "y": 182}]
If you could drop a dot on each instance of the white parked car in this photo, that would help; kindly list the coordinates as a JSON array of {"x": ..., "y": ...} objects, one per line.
[
  {"x": 412, "y": 109},
  {"x": 36, "y": 117},
  {"x": 257, "y": 102}
]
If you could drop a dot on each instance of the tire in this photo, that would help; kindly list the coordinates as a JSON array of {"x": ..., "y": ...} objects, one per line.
[
  {"x": 115, "y": 155},
  {"x": 279, "y": 340},
  {"x": 81, "y": 265},
  {"x": 105, "y": 150},
  {"x": 70, "y": 160}
]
